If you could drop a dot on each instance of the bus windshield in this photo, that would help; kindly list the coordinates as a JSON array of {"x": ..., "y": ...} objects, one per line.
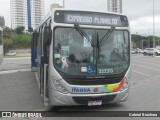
[{"x": 74, "y": 54}]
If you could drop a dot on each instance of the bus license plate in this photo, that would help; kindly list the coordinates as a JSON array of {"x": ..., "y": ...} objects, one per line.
[{"x": 95, "y": 103}]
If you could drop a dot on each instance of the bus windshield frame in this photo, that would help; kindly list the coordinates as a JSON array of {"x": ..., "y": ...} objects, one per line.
[{"x": 95, "y": 60}]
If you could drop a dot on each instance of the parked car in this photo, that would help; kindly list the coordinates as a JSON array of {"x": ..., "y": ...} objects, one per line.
[
  {"x": 141, "y": 51},
  {"x": 11, "y": 53},
  {"x": 137, "y": 51},
  {"x": 133, "y": 52},
  {"x": 151, "y": 51}
]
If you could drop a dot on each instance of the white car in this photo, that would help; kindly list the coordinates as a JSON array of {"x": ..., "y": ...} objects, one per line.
[
  {"x": 133, "y": 52},
  {"x": 141, "y": 51},
  {"x": 151, "y": 51},
  {"x": 11, "y": 53}
]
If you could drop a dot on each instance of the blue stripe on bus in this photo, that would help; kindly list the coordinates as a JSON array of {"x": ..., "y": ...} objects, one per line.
[{"x": 34, "y": 57}]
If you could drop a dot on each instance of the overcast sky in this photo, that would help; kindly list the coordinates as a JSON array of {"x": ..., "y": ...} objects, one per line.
[{"x": 139, "y": 12}]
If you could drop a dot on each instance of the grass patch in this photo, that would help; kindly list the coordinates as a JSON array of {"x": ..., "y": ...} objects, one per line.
[{"x": 15, "y": 56}]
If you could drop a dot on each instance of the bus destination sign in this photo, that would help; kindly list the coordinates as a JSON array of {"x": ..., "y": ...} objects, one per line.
[
  {"x": 88, "y": 19},
  {"x": 91, "y": 18}
]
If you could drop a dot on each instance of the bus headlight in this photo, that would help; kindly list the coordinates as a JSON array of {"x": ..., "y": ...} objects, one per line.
[
  {"x": 59, "y": 87},
  {"x": 125, "y": 84}
]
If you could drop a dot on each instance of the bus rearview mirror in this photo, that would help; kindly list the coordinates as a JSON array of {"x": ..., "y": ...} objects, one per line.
[{"x": 47, "y": 35}]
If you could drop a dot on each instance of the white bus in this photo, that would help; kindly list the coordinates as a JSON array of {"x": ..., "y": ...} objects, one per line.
[
  {"x": 82, "y": 57},
  {"x": 1, "y": 46}
]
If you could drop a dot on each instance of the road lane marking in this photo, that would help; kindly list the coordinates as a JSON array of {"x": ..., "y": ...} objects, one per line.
[
  {"x": 14, "y": 71},
  {"x": 146, "y": 62},
  {"x": 140, "y": 73},
  {"x": 37, "y": 79},
  {"x": 147, "y": 59},
  {"x": 147, "y": 67},
  {"x": 146, "y": 81}
]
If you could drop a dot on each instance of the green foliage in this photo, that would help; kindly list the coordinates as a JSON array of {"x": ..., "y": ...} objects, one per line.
[
  {"x": 30, "y": 29},
  {"x": 7, "y": 32},
  {"x": 15, "y": 39},
  {"x": 19, "y": 30},
  {"x": 21, "y": 41},
  {"x": 136, "y": 40},
  {"x": 146, "y": 41},
  {"x": 8, "y": 44}
]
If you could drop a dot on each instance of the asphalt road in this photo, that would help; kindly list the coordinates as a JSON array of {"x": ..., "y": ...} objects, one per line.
[
  {"x": 19, "y": 90},
  {"x": 15, "y": 63},
  {"x": 18, "y": 87}
]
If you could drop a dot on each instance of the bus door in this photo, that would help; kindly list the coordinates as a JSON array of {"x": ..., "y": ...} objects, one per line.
[
  {"x": 39, "y": 60},
  {"x": 43, "y": 68},
  {"x": 46, "y": 34}
]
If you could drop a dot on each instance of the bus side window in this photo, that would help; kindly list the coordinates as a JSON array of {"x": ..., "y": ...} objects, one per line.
[{"x": 39, "y": 43}]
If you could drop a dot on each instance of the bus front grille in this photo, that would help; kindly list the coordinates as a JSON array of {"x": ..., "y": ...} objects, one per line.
[{"x": 84, "y": 100}]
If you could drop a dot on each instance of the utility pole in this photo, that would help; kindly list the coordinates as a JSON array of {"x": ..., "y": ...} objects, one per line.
[
  {"x": 154, "y": 45},
  {"x": 29, "y": 14},
  {"x": 63, "y": 4}
]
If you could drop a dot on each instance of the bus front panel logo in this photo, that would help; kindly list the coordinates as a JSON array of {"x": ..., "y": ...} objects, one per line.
[
  {"x": 95, "y": 89},
  {"x": 80, "y": 90}
]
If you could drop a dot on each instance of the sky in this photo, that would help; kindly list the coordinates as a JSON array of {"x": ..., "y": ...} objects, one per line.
[{"x": 139, "y": 12}]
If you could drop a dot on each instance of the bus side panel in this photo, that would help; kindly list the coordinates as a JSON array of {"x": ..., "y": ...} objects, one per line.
[
  {"x": 33, "y": 52},
  {"x": 33, "y": 59}
]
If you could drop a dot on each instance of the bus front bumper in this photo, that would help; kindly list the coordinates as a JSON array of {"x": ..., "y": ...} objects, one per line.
[{"x": 59, "y": 99}]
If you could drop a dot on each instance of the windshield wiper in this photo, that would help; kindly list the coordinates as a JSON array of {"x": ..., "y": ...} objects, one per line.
[
  {"x": 106, "y": 36},
  {"x": 83, "y": 34}
]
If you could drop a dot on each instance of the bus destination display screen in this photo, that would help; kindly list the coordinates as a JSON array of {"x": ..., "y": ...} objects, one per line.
[{"x": 90, "y": 18}]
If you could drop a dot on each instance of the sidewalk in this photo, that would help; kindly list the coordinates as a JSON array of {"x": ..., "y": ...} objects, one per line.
[{"x": 23, "y": 54}]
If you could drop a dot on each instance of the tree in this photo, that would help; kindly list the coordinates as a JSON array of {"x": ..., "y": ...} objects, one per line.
[
  {"x": 30, "y": 29},
  {"x": 136, "y": 39},
  {"x": 19, "y": 30},
  {"x": 147, "y": 41},
  {"x": 21, "y": 41},
  {"x": 7, "y": 32},
  {"x": 8, "y": 44}
]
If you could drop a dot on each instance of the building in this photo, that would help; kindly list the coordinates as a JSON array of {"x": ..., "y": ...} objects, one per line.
[
  {"x": 115, "y": 6},
  {"x": 18, "y": 13},
  {"x": 55, "y": 5},
  {"x": 25, "y": 12},
  {"x": 2, "y": 21},
  {"x": 37, "y": 12}
]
